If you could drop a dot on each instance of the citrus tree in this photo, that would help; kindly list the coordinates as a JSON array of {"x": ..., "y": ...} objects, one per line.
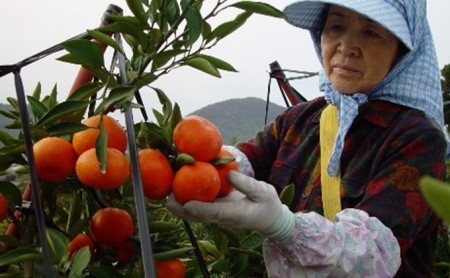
[{"x": 84, "y": 167}]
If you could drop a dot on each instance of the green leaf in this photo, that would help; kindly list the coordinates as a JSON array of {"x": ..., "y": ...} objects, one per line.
[
  {"x": 138, "y": 10},
  {"x": 20, "y": 255},
  {"x": 57, "y": 243},
  {"x": 132, "y": 21},
  {"x": 252, "y": 241},
  {"x": 174, "y": 119},
  {"x": 229, "y": 27},
  {"x": 209, "y": 247},
  {"x": 123, "y": 28},
  {"x": 145, "y": 80},
  {"x": 11, "y": 193},
  {"x": 161, "y": 226},
  {"x": 36, "y": 107},
  {"x": 162, "y": 58},
  {"x": 5, "y": 138},
  {"x": 437, "y": 194},
  {"x": 13, "y": 272},
  {"x": 222, "y": 265},
  {"x": 287, "y": 194},
  {"x": 249, "y": 252},
  {"x": 80, "y": 261},
  {"x": 13, "y": 102},
  {"x": 222, "y": 160},
  {"x": 65, "y": 128},
  {"x": 64, "y": 108},
  {"x": 259, "y": 8},
  {"x": 75, "y": 210},
  {"x": 120, "y": 95},
  {"x": 206, "y": 29},
  {"x": 106, "y": 39},
  {"x": 84, "y": 52},
  {"x": 172, "y": 254},
  {"x": 172, "y": 12},
  {"x": 166, "y": 104},
  {"x": 51, "y": 101},
  {"x": 218, "y": 63},
  {"x": 158, "y": 116},
  {"x": 37, "y": 91},
  {"x": 150, "y": 135},
  {"x": 10, "y": 115},
  {"x": 194, "y": 25},
  {"x": 101, "y": 148},
  {"x": 204, "y": 65},
  {"x": 78, "y": 227},
  {"x": 10, "y": 240}
]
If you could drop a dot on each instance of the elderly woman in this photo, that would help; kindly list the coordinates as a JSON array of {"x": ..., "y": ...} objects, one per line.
[{"x": 380, "y": 76}]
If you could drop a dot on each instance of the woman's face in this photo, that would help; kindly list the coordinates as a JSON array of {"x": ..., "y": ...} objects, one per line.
[{"x": 357, "y": 52}]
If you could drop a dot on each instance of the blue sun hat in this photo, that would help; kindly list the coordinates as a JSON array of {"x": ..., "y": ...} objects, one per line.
[{"x": 413, "y": 82}]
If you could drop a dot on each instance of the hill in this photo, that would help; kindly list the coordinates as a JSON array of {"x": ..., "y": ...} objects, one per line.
[{"x": 239, "y": 119}]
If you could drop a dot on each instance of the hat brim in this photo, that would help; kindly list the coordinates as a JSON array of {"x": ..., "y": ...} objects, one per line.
[{"x": 307, "y": 14}]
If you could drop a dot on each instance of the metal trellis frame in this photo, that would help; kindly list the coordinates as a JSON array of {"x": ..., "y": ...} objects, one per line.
[{"x": 290, "y": 95}]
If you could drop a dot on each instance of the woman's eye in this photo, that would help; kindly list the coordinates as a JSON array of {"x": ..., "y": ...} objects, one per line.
[
  {"x": 333, "y": 28},
  {"x": 372, "y": 34}
]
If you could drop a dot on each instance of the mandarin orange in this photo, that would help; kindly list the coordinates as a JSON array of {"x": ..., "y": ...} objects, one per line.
[
  {"x": 111, "y": 227},
  {"x": 54, "y": 158},
  {"x": 197, "y": 181},
  {"x": 197, "y": 137},
  {"x": 223, "y": 169},
  {"x": 88, "y": 169},
  {"x": 156, "y": 173},
  {"x": 85, "y": 140}
]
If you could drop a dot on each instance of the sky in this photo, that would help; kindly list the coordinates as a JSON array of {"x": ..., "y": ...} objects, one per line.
[{"x": 28, "y": 27}]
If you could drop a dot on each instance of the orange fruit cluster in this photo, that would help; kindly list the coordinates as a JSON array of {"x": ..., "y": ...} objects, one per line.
[
  {"x": 109, "y": 228},
  {"x": 200, "y": 180},
  {"x": 56, "y": 158},
  {"x": 87, "y": 167}
]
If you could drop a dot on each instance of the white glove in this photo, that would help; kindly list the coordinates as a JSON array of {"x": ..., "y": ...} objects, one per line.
[{"x": 254, "y": 206}]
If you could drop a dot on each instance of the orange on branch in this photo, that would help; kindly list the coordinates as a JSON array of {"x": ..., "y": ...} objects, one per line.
[
  {"x": 54, "y": 158},
  {"x": 223, "y": 169},
  {"x": 197, "y": 137},
  {"x": 124, "y": 252},
  {"x": 197, "y": 181},
  {"x": 117, "y": 169},
  {"x": 156, "y": 173},
  {"x": 85, "y": 140},
  {"x": 111, "y": 227},
  {"x": 3, "y": 207},
  {"x": 170, "y": 269},
  {"x": 80, "y": 241}
]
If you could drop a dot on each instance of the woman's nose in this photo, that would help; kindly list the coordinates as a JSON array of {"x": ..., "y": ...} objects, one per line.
[{"x": 349, "y": 46}]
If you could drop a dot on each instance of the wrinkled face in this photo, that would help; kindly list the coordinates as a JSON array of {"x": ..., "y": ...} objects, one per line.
[{"x": 357, "y": 52}]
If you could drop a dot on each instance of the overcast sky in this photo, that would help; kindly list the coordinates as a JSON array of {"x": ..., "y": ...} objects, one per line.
[{"x": 28, "y": 27}]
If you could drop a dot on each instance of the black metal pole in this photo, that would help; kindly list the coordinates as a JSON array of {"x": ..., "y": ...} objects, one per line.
[
  {"x": 35, "y": 192},
  {"x": 146, "y": 247}
]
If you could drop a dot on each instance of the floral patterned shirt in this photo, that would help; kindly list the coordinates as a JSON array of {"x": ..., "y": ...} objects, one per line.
[{"x": 387, "y": 149}]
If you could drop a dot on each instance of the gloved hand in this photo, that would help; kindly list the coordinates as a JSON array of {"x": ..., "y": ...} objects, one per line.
[{"x": 254, "y": 206}]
